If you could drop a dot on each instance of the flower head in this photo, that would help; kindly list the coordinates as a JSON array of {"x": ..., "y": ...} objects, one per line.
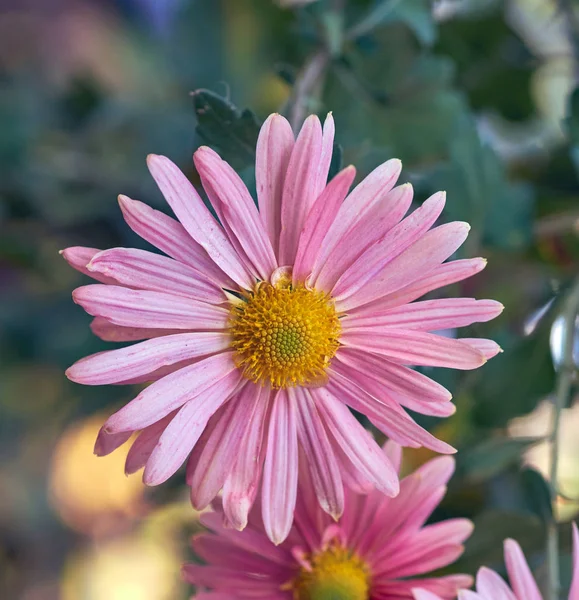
[
  {"x": 379, "y": 550},
  {"x": 490, "y": 586},
  {"x": 262, "y": 327}
]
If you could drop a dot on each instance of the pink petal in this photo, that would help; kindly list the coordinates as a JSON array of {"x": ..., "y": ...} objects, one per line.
[
  {"x": 169, "y": 236},
  {"x": 145, "y": 443},
  {"x": 240, "y": 215},
  {"x": 394, "y": 453},
  {"x": 319, "y": 221},
  {"x": 196, "y": 218},
  {"x": 322, "y": 462},
  {"x": 274, "y": 147},
  {"x": 357, "y": 443},
  {"x": 489, "y": 348},
  {"x": 108, "y": 332},
  {"x": 108, "y": 442},
  {"x": 420, "y": 594},
  {"x": 241, "y": 486},
  {"x": 444, "y": 274},
  {"x": 428, "y": 315},
  {"x": 415, "y": 348},
  {"x": 300, "y": 187},
  {"x": 182, "y": 433},
  {"x": 280, "y": 471},
  {"x": 147, "y": 271},
  {"x": 365, "y": 195},
  {"x": 78, "y": 258},
  {"x": 574, "y": 591},
  {"x": 423, "y": 256},
  {"x": 395, "y": 377},
  {"x": 135, "y": 308},
  {"x": 520, "y": 575},
  {"x": 174, "y": 390},
  {"x": 218, "y": 457},
  {"x": 490, "y": 585},
  {"x": 138, "y": 360},
  {"x": 371, "y": 263},
  {"x": 367, "y": 231}
]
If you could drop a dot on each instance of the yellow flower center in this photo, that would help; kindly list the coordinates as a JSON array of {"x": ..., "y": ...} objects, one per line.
[
  {"x": 336, "y": 574},
  {"x": 284, "y": 335}
]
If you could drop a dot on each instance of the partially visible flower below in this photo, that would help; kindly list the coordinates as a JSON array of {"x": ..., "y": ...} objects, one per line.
[
  {"x": 380, "y": 549},
  {"x": 263, "y": 327},
  {"x": 490, "y": 586}
]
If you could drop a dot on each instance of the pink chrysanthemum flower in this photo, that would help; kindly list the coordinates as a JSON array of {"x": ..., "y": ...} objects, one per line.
[
  {"x": 263, "y": 327},
  {"x": 490, "y": 586},
  {"x": 375, "y": 551}
]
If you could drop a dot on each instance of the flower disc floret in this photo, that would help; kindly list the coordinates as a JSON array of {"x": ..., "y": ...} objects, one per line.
[{"x": 284, "y": 335}]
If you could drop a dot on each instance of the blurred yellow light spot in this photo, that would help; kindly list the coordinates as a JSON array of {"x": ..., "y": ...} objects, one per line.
[{"x": 92, "y": 494}]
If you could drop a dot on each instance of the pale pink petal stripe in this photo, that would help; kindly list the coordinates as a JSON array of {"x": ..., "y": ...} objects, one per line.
[
  {"x": 394, "y": 453},
  {"x": 272, "y": 155},
  {"x": 319, "y": 221},
  {"x": 469, "y": 595},
  {"x": 300, "y": 187},
  {"x": 574, "y": 591},
  {"x": 420, "y": 594},
  {"x": 135, "y": 308},
  {"x": 109, "y": 332},
  {"x": 218, "y": 457},
  {"x": 239, "y": 211},
  {"x": 490, "y": 585},
  {"x": 182, "y": 433},
  {"x": 147, "y": 271},
  {"x": 489, "y": 348},
  {"x": 442, "y": 275},
  {"x": 145, "y": 443},
  {"x": 432, "y": 409},
  {"x": 108, "y": 442},
  {"x": 280, "y": 471},
  {"x": 138, "y": 360},
  {"x": 396, "y": 378},
  {"x": 322, "y": 462},
  {"x": 78, "y": 258},
  {"x": 520, "y": 576},
  {"x": 428, "y": 315},
  {"x": 365, "y": 195},
  {"x": 241, "y": 486},
  {"x": 169, "y": 236},
  {"x": 196, "y": 218},
  {"x": 369, "y": 268},
  {"x": 357, "y": 443},
  {"x": 171, "y": 392},
  {"x": 328, "y": 133},
  {"x": 415, "y": 348},
  {"x": 368, "y": 230}
]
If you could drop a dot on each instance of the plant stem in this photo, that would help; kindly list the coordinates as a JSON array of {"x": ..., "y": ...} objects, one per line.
[{"x": 564, "y": 381}]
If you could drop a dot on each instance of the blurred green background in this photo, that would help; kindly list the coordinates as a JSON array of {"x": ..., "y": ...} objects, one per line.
[{"x": 476, "y": 97}]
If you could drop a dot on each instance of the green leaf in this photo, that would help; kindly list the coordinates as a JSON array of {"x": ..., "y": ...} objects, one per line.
[
  {"x": 492, "y": 456},
  {"x": 230, "y": 131}
]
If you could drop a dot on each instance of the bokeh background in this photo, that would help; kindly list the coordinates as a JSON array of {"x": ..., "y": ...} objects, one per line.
[{"x": 475, "y": 96}]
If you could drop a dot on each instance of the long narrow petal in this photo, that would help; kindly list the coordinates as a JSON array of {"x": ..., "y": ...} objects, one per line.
[
  {"x": 490, "y": 585},
  {"x": 300, "y": 187},
  {"x": 415, "y": 348},
  {"x": 280, "y": 471},
  {"x": 442, "y": 275},
  {"x": 428, "y": 315},
  {"x": 109, "y": 332},
  {"x": 239, "y": 211},
  {"x": 182, "y": 433},
  {"x": 365, "y": 195},
  {"x": 520, "y": 576},
  {"x": 145, "y": 443},
  {"x": 357, "y": 443},
  {"x": 147, "y": 271},
  {"x": 241, "y": 486},
  {"x": 489, "y": 348},
  {"x": 420, "y": 594},
  {"x": 274, "y": 147},
  {"x": 423, "y": 256},
  {"x": 218, "y": 457},
  {"x": 322, "y": 462},
  {"x": 171, "y": 392},
  {"x": 368, "y": 230},
  {"x": 141, "y": 359},
  {"x": 108, "y": 442},
  {"x": 196, "y": 218},
  {"x": 319, "y": 221},
  {"x": 78, "y": 258},
  {"x": 135, "y": 308}
]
